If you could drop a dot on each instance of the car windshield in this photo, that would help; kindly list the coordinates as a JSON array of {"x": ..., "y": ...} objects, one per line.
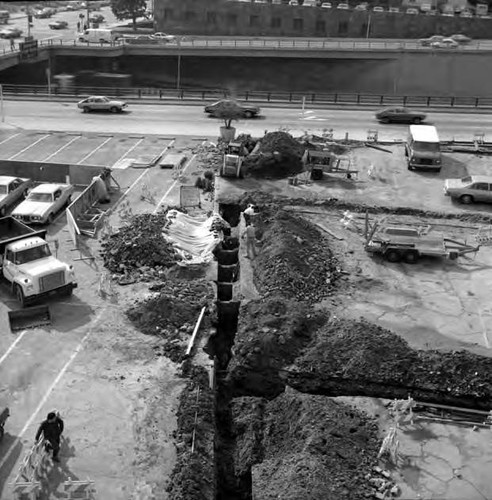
[
  {"x": 42, "y": 197},
  {"x": 31, "y": 254},
  {"x": 432, "y": 147},
  {"x": 466, "y": 180},
  {"x": 3, "y": 189}
]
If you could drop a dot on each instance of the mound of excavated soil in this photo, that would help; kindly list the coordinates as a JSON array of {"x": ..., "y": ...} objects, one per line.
[
  {"x": 303, "y": 446},
  {"x": 172, "y": 313},
  {"x": 294, "y": 260},
  {"x": 271, "y": 333},
  {"x": 361, "y": 358},
  {"x": 193, "y": 477}
]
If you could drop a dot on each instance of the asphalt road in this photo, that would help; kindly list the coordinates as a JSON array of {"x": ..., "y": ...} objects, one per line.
[{"x": 189, "y": 120}]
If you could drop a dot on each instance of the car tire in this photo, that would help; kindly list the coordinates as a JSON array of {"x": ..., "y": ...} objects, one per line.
[
  {"x": 19, "y": 294},
  {"x": 86, "y": 109},
  {"x": 248, "y": 114},
  {"x": 3, "y": 211},
  {"x": 393, "y": 256},
  {"x": 114, "y": 109},
  {"x": 417, "y": 121},
  {"x": 411, "y": 257},
  {"x": 466, "y": 199}
]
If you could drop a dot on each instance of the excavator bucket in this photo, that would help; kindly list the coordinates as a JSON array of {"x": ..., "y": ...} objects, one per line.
[{"x": 30, "y": 317}]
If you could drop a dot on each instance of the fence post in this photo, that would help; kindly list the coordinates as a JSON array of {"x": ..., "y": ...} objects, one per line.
[
  {"x": 358, "y": 98},
  {"x": 477, "y": 100},
  {"x": 181, "y": 94},
  {"x": 246, "y": 96},
  {"x": 139, "y": 93},
  {"x": 381, "y": 99},
  {"x": 428, "y": 101},
  {"x": 268, "y": 96},
  {"x": 336, "y": 98},
  {"x": 452, "y": 101},
  {"x": 290, "y": 97},
  {"x": 404, "y": 100},
  {"x": 160, "y": 93},
  {"x": 312, "y": 97}
]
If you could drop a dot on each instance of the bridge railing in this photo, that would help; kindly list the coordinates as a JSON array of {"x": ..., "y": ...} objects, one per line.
[{"x": 168, "y": 94}]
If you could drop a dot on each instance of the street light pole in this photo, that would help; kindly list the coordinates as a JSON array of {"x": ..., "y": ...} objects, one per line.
[
  {"x": 28, "y": 22},
  {"x": 368, "y": 26},
  {"x": 178, "y": 77}
]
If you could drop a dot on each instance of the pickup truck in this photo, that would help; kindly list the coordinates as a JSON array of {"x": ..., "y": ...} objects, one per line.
[{"x": 28, "y": 266}]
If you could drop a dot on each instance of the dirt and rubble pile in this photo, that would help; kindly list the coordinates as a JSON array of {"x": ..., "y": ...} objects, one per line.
[
  {"x": 139, "y": 246},
  {"x": 277, "y": 155},
  {"x": 362, "y": 358},
  {"x": 271, "y": 333},
  {"x": 171, "y": 314},
  {"x": 295, "y": 260},
  {"x": 304, "y": 446},
  {"x": 193, "y": 476}
]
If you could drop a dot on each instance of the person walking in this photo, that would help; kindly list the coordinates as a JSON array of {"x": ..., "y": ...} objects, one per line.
[
  {"x": 12, "y": 44},
  {"x": 250, "y": 233},
  {"x": 51, "y": 429}
]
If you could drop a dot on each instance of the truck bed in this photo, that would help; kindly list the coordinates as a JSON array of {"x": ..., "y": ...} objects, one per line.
[{"x": 12, "y": 230}]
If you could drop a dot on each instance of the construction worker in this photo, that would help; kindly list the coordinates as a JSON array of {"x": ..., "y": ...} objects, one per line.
[
  {"x": 249, "y": 214},
  {"x": 51, "y": 429},
  {"x": 250, "y": 233}
]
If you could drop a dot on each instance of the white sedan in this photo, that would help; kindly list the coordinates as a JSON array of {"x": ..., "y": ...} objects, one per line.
[
  {"x": 43, "y": 203},
  {"x": 101, "y": 103}
]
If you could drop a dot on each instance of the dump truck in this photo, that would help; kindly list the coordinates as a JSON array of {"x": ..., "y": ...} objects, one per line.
[
  {"x": 408, "y": 244},
  {"x": 28, "y": 266}
]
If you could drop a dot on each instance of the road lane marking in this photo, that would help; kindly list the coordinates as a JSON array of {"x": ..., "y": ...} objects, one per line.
[
  {"x": 12, "y": 346},
  {"x": 125, "y": 154},
  {"x": 62, "y": 148},
  {"x": 8, "y": 138},
  {"x": 93, "y": 151},
  {"x": 30, "y": 146},
  {"x": 174, "y": 183},
  {"x": 43, "y": 401}
]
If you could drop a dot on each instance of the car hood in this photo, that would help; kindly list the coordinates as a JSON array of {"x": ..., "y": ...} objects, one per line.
[
  {"x": 426, "y": 154},
  {"x": 454, "y": 184},
  {"x": 32, "y": 208},
  {"x": 42, "y": 267}
]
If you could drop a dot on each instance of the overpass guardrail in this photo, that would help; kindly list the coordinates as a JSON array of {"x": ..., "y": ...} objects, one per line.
[{"x": 199, "y": 95}]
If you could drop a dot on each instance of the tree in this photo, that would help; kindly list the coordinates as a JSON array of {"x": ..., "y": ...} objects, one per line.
[
  {"x": 129, "y": 9},
  {"x": 228, "y": 112}
]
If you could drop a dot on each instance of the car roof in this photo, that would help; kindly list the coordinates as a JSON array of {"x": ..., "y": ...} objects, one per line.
[
  {"x": 481, "y": 178},
  {"x": 5, "y": 179},
  {"x": 47, "y": 188},
  {"x": 424, "y": 133}
]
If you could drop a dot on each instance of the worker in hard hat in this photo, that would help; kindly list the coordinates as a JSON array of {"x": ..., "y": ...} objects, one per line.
[
  {"x": 250, "y": 234},
  {"x": 249, "y": 214},
  {"x": 51, "y": 429}
]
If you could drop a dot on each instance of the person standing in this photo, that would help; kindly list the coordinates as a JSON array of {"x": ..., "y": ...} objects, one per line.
[
  {"x": 51, "y": 429},
  {"x": 250, "y": 233},
  {"x": 249, "y": 214},
  {"x": 12, "y": 44}
]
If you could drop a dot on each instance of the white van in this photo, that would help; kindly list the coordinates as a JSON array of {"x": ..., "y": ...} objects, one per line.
[
  {"x": 423, "y": 149},
  {"x": 98, "y": 36}
]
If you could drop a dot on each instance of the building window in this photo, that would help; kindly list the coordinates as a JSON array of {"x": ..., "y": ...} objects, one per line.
[
  {"x": 190, "y": 15},
  {"x": 211, "y": 17},
  {"x": 254, "y": 21},
  {"x": 232, "y": 19},
  {"x": 343, "y": 28},
  {"x": 298, "y": 24},
  {"x": 276, "y": 22},
  {"x": 320, "y": 27},
  {"x": 168, "y": 13}
]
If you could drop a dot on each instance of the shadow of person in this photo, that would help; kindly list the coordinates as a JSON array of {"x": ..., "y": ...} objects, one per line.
[
  {"x": 60, "y": 471},
  {"x": 11, "y": 450}
]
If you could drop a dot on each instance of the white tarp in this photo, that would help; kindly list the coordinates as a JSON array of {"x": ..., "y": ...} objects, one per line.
[{"x": 192, "y": 237}]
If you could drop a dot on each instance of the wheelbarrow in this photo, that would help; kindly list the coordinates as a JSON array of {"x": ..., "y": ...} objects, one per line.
[{"x": 3, "y": 418}]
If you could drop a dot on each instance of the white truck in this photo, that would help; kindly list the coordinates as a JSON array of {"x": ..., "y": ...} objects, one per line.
[{"x": 28, "y": 265}]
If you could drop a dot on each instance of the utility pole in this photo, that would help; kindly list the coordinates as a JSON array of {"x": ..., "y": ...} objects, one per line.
[
  {"x": 368, "y": 26},
  {"x": 88, "y": 14},
  {"x": 29, "y": 19},
  {"x": 178, "y": 78}
]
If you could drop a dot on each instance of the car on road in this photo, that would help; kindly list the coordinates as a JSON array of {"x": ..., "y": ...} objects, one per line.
[
  {"x": 164, "y": 36},
  {"x": 412, "y": 11},
  {"x": 224, "y": 105},
  {"x": 326, "y": 5},
  {"x": 43, "y": 203},
  {"x": 394, "y": 10},
  {"x": 43, "y": 14},
  {"x": 466, "y": 13},
  {"x": 101, "y": 103},
  {"x": 378, "y": 8},
  {"x": 400, "y": 115},
  {"x": 446, "y": 43},
  {"x": 343, "y": 6},
  {"x": 470, "y": 189},
  {"x": 12, "y": 189},
  {"x": 426, "y": 42},
  {"x": 460, "y": 38},
  {"x": 361, "y": 6},
  {"x": 10, "y": 33},
  {"x": 58, "y": 25}
]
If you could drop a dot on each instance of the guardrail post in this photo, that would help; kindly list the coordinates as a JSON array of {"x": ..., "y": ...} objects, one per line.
[
  {"x": 268, "y": 96},
  {"x": 404, "y": 100},
  {"x": 381, "y": 99},
  {"x": 428, "y": 101},
  {"x": 246, "y": 96},
  {"x": 203, "y": 95},
  {"x": 477, "y": 101},
  {"x": 452, "y": 101},
  {"x": 336, "y": 98},
  {"x": 290, "y": 97},
  {"x": 139, "y": 93},
  {"x": 160, "y": 93},
  {"x": 313, "y": 97},
  {"x": 358, "y": 98},
  {"x": 181, "y": 94}
]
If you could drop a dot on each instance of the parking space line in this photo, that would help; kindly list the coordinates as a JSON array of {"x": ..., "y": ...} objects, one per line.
[
  {"x": 12, "y": 346},
  {"x": 30, "y": 146},
  {"x": 93, "y": 151},
  {"x": 129, "y": 151},
  {"x": 174, "y": 183},
  {"x": 62, "y": 148},
  {"x": 8, "y": 138},
  {"x": 43, "y": 401}
]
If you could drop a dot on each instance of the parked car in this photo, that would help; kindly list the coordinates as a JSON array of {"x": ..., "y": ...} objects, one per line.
[
  {"x": 400, "y": 115},
  {"x": 446, "y": 43},
  {"x": 471, "y": 189},
  {"x": 378, "y": 8},
  {"x": 10, "y": 33},
  {"x": 361, "y": 6},
  {"x": 326, "y": 5},
  {"x": 96, "y": 18},
  {"x": 293, "y": 2},
  {"x": 58, "y": 25},
  {"x": 164, "y": 36},
  {"x": 432, "y": 12},
  {"x": 246, "y": 110},
  {"x": 466, "y": 13},
  {"x": 43, "y": 14},
  {"x": 394, "y": 10},
  {"x": 101, "y": 103},
  {"x": 43, "y": 203},
  {"x": 11, "y": 190},
  {"x": 412, "y": 11},
  {"x": 343, "y": 6},
  {"x": 460, "y": 38},
  {"x": 426, "y": 42}
]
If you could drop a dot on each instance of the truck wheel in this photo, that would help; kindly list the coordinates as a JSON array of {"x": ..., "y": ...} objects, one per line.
[
  {"x": 466, "y": 199},
  {"x": 411, "y": 257},
  {"x": 393, "y": 256},
  {"x": 2, "y": 211},
  {"x": 20, "y": 295}
]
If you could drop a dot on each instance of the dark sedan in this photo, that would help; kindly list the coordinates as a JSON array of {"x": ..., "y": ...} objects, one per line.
[
  {"x": 400, "y": 115},
  {"x": 228, "y": 105}
]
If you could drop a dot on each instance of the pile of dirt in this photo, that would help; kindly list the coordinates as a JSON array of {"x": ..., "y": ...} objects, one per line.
[
  {"x": 278, "y": 155},
  {"x": 295, "y": 260},
  {"x": 357, "y": 357},
  {"x": 271, "y": 334},
  {"x": 139, "y": 247},
  {"x": 303, "y": 446},
  {"x": 194, "y": 477},
  {"x": 172, "y": 313}
]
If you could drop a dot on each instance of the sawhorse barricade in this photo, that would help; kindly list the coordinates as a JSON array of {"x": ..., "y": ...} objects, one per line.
[
  {"x": 26, "y": 491},
  {"x": 79, "y": 489}
]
